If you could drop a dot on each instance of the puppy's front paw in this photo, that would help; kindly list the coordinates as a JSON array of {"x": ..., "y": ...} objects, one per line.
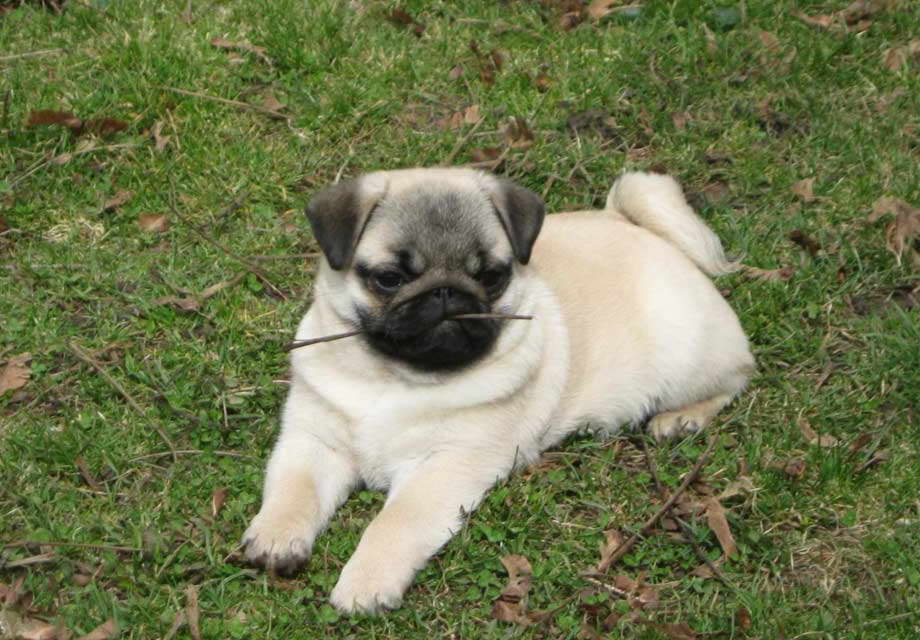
[
  {"x": 277, "y": 544},
  {"x": 369, "y": 588},
  {"x": 673, "y": 424}
]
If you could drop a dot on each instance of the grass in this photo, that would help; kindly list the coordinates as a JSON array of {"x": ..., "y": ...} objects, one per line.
[{"x": 821, "y": 554}]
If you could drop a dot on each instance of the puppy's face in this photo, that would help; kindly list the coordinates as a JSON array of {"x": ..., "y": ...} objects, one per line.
[{"x": 417, "y": 248}]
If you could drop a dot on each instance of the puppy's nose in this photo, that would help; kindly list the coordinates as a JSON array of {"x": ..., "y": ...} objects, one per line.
[{"x": 452, "y": 301}]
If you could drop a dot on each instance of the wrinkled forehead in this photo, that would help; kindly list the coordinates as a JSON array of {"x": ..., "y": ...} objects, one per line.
[{"x": 428, "y": 228}]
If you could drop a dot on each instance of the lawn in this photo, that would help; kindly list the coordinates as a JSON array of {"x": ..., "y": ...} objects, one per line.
[{"x": 155, "y": 260}]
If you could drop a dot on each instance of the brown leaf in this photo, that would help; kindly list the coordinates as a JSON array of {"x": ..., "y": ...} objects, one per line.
[
  {"x": 805, "y": 241},
  {"x": 823, "y": 21},
  {"x": 542, "y": 82},
  {"x": 221, "y": 43},
  {"x": 600, "y": 8},
  {"x": 774, "y": 275},
  {"x": 703, "y": 571},
  {"x": 106, "y": 630},
  {"x": 740, "y": 486},
  {"x": 517, "y": 134},
  {"x": 153, "y": 222},
  {"x": 455, "y": 72},
  {"x": 159, "y": 140},
  {"x": 878, "y": 457},
  {"x": 16, "y": 373},
  {"x": 185, "y": 304},
  {"x": 120, "y": 198},
  {"x": 813, "y": 438},
  {"x": 613, "y": 540},
  {"x": 679, "y": 631},
  {"x": 901, "y": 233},
  {"x": 4, "y": 225},
  {"x": 486, "y": 154},
  {"x": 859, "y": 443},
  {"x": 716, "y": 192},
  {"x": 401, "y": 18},
  {"x": 804, "y": 189},
  {"x": 680, "y": 120},
  {"x": 105, "y": 127},
  {"x": 271, "y": 103},
  {"x": 192, "y": 612},
  {"x": 769, "y": 40},
  {"x": 217, "y": 500},
  {"x": 715, "y": 517},
  {"x": 18, "y": 627},
  {"x": 511, "y": 605},
  {"x": 896, "y": 57},
  {"x": 570, "y": 20},
  {"x": 794, "y": 467},
  {"x": 43, "y": 117},
  {"x": 743, "y": 619}
]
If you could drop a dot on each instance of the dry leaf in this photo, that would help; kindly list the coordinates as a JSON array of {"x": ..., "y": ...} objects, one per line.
[
  {"x": 781, "y": 274},
  {"x": 241, "y": 46},
  {"x": 401, "y": 18},
  {"x": 743, "y": 619},
  {"x": 703, "y": 571},
  {"x": 192, "y": 612},
  {"x": 770, "y": 41},
  {"x": 105, "y": 127},
  {"x": 185, "y": 304},
  {"x": 517, "y": 134},
  {"x": 16, "y": 373},
  {"x": 716, "y": 192},
  {"x": 542, "y": 82},
  {"x": 859, "y": 443},
  {"x": 813, "y": 438},
  {"x": 804, "y": 189},
  {"x": 715, "y": 517},
  {"x": 217, "y": 500},
  {"x": 153, "y": 222},
  {"x": 896, "y": 57},
  {"x": 805, "y": 241},
  {"x": 271, "y": 103},
  {"x": 120, "y": 198},
  {"x": 879, "y": 456},
  {"x": 613, "y": 540},
  {"x": 680, "y": 631},
  {"x": 740, "y": 486},
  {"x": 794, "y": 467},
  {"x": 680, "y": 120},
  {"x": 901, "y": 233},
  {"x": 43, "y": 117},
  {"x": 600, "y": 8},
  {"x": 108, "y": 629},
  {"x": 159, "y": 140},
  {"x": 17, "y": 627},
  {"x": 455, "y": 72},
  {"x": 511, "y": 605},
  {"x": 824, "y": 21}
]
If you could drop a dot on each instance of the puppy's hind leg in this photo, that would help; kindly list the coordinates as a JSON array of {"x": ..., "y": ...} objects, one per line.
[{"x": 686, "y": 420}]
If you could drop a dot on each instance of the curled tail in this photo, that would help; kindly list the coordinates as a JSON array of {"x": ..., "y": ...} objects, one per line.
[{"x": 657, "y": 203}]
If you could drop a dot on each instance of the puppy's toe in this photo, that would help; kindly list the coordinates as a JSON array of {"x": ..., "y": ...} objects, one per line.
[
  {"x": 282, "y": 551},
  {"x": 672, "y": 424},
  {"x": 366, "y": 590}
]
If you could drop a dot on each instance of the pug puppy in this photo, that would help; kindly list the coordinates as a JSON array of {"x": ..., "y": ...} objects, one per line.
[{"x": 626, "y": 328}]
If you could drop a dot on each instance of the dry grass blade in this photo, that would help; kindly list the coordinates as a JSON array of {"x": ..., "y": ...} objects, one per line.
[{"x": 192, "y": 612}]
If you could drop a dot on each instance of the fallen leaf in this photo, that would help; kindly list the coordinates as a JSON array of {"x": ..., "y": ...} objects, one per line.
[
  {"x": 781, "y": 274},
  {"x": 455, "y": 72},
  {"x": 153, "y": 222},
  {"x": 4, "y": 225},
  {"x": 715, "y": 517},
  {"x": 217, "y": 500},
  {"x": 805, "y": 241},
  {"x": 517, "y": 134},
  {"x": 679, "y": 631},
  {"x": 896, "y": 57},
  {"x": 271, "y": 103},
  {"x": 511, "y": 605},
  {"x": 105, "y": 127},
  {"x": 16, "y": 373},
  {"x": 794, "y": 467},
  {"x": 401, "y": 18},
  {"x": 491, "y": 155},
  {"x": 680, "y": 120},
  {"x": 741, "y": 485},
  {"x": 185, "y": 304},
  {"x": 813, "y": 438},
  {"x": 859, "y": 443},
  {"x": 901, "y": 233},
  {"x": 743, "y": 619},
  {"x": 823, "y": 21},
  {"x": 804, "y": 189},
  {"x": 600, "y": 8},
  {"x": 613, "y": 540},
  {"x": 542, "y": 82},
  {"x": 44, "y": 117},
  {"x": 703, "y": 571},
  {"x": 878, "y": 457},
  {"x": 106, "y": 630},
  {"x": 159, "y": 140},
  {"x": 18, "y": 627},
  {"x": 221, "y": 43},
  {"x": 120, "y": 198},
  {"x": 192, "y": 612},
  {"x": 769, "y": 40}
]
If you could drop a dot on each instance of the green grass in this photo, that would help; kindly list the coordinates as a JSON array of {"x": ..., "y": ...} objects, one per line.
[{"x": 819, "y": 556}]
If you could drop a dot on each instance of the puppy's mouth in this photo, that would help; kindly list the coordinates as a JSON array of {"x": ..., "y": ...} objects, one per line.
[{"x": 426, "y": 333}]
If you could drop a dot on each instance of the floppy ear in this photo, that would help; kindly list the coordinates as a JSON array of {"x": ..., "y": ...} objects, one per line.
[
  {"x": 521, "y": 212},
  {"x": 338, "y": 215}
]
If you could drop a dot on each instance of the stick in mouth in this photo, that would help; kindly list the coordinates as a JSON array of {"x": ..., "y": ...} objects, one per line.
[{"x": 296, "y": 344}]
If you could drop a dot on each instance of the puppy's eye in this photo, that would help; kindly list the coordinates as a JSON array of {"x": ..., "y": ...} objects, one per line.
[
  {"x": 388, "y": 280},
  {"x": 492, "y": 278}
]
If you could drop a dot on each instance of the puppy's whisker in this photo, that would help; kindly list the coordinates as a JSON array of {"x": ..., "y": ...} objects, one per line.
[{"x": 296, "y": 344}]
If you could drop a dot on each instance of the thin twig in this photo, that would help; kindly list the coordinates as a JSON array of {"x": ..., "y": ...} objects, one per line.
[
  {"x": 26, "y": 562},
  {"x": 182, "y": 452},
  {"x": 85, "y": 357},
  {"x": 296, "y": 344},
  {"x": 688, "y": 480},
  {"x": 31, "y": 54},
  {"x": 894, "y": 618},
  {"x": 289, "y": 256},
  {"x": 275, "y": 115},
  {"x": 77, "y": 545},
  {"x": 461, "y": 142},
  {"x": 255, "y": 270}
]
